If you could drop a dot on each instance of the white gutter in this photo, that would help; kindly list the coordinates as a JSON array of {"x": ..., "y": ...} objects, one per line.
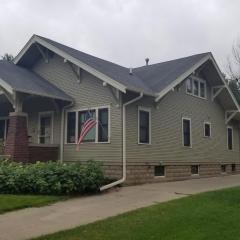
[
  {"x": 124, "y": 165},
  {"x": 63, "y": 130}
]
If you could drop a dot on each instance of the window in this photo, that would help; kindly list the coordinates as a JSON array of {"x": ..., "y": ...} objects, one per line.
[
  {"x": 233, "y": 167},
  {"x": 223, "y": 168},
  {"x": 103, "y": 125},
  {"x": 196, "y": 87},
  {"x": 194, "y": 169},
  {"x": 189, "y": 85},
  {"x": 71, "y": 127},
  {"x": 230, "y": 138},
  {"x": 3, "y": 129},
  {"x": 186, "y": 131},
  {"x": 144, "y": 126},
  {"x": 45, "y": 127},
  {"x": 82, "y": 117},
  {"x": 207, "y": 129},
  {"x": 159, "y": 171},
  {"x": 76, "y": 119}
]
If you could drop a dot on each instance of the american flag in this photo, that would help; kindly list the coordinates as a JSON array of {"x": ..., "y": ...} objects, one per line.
[{"x": 87, "y": 126}]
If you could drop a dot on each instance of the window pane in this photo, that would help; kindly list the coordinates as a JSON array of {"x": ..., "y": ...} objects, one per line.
[
  {"x": 103, "y": 125},
  {"x": 194, "y": 169},
  {"x": 186, "y": 133},
  {"x": 207, "y": 131},
  {"x": 195, "y": 88},
  {"x": 82, "y": 117},
  {"x": 189, "y": 85},
  {"x": 143, "y": 127},
  {"x": 159, "y": 171},
  {"x": 2, "y": 129},
  {"x": 202, "y": 89},
  {"x": 71, "y": 124},
  {"x": 230, "y": 138}
]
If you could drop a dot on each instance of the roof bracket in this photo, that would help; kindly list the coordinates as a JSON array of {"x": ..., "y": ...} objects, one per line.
[
  {"x": 43, "y": 53},
  {"x": 229, "y": 115},
  {"x": 8, "y": 95},
  {"x": 116, "y": 95},
  {"x": 216, "y": 90},
  {"x": 77, "y": 71}
]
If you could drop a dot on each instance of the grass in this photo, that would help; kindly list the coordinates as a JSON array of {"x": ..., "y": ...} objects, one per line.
[
  {"x": 212, "y": 215},
  {"x": 14, "y": 202}
]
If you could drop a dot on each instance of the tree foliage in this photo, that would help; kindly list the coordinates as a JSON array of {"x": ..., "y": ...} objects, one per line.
[{"x": 7, "y": 57}]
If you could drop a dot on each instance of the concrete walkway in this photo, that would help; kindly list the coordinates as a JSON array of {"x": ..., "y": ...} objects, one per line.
[{"x": 33, "y": 222}]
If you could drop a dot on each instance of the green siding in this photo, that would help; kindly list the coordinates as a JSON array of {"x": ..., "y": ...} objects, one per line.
[
  {"x": 166, "y": 146},
  {"x": 89, "y": 93}
]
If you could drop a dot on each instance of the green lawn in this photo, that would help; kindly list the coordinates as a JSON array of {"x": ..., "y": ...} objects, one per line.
[
  {"x": 212, "y": 215},
  {"x": 13, "y": 202}
]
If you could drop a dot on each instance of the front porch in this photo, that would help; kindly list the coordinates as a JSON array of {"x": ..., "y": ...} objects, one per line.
[{"x": 30, "y": 117}]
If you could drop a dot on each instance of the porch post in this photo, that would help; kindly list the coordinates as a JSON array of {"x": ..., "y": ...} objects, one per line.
[{"x": 17, "y": 137}]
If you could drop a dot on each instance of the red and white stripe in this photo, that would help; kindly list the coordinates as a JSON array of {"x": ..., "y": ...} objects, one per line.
[{"x": 87, "y": 126}]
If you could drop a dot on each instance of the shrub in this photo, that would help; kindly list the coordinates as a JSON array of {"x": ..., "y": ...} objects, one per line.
[{"x": 50, "y": 178}]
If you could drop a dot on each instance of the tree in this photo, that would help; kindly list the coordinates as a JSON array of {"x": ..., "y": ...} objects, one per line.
[
  {"x": 7, "y": 57},
  {"x": 233, "y": 65}
]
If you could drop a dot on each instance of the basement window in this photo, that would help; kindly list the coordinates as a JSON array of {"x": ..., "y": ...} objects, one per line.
[
  {"x": 159, "y": 171},
  {"x": 223, "y": 168},
  {"x": 195, "y": 169},
  {"x": 233, "y": 167}
]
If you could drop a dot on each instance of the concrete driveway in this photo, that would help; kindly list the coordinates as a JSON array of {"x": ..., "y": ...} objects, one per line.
[{"x": 33, "y": 222}]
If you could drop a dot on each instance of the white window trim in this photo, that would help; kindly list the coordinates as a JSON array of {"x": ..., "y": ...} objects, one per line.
[
  {"x": 96, "y": 132},
  {"x": 199, "y": 80},
  {"x": 229, "y": 127},
  {"x": 40, "y": 114},
  {"x": 195, "y": 174},
  {"x": 186, "y": 118},
  {"x": 146, "y": 109},
  {"x": 206, "y": 122}
]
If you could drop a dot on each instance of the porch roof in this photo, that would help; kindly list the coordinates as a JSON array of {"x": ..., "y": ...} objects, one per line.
[{"x": 16, "y": 78}]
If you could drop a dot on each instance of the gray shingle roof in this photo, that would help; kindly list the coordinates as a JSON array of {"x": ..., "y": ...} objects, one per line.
[
  {"x": 149, "y": 79},
  {"x": 23, "y": 80},
  {"x": 112, "y": 70},
  {"x": 158, "y": 76}
]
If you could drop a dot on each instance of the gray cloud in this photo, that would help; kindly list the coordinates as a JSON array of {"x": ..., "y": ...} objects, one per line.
[{"x": 125, "y": 31}]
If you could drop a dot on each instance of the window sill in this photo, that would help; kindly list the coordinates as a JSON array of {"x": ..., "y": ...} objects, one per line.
[
  {"x": 144, "y": 143},
  {"x": 84, "y": 143},
  {"x": 190, "y": 94},
  {"x": 159, "y": 176}
]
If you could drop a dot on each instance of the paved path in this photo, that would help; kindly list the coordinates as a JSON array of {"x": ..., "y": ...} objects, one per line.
[{"x": 32, "y": 222}]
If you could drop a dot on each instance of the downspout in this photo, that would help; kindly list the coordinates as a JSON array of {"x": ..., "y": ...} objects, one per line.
[
  {"x": 124, "y": 165},
  {"x": 63, "y": 129}
]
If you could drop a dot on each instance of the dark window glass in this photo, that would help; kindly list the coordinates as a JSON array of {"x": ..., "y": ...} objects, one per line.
[
  {"x": 207, "y": 130},
  {"x": 143, "y": 126},
  {"x": 186, "y": 133},
  {"x": 195, "y": 88},
  {"x": 233, "y": 167},
  {"x": 159, "y": 171},
  {"x": 230, "y": 138},
  {"x": 103, "y": 125},
  {"x": 202, "y": 90},
  {"x": 2, "y": 129},
  {"x": 194, "y": 169},
  {"x": 189, "y": 85},
  {"x": 82, "y": 117},
  {"x": 223, "y": 168},
  {"x": 71, "y": 126}
]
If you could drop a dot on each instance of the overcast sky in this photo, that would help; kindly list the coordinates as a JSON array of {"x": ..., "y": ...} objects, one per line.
[{"x": 125, "y": 31}]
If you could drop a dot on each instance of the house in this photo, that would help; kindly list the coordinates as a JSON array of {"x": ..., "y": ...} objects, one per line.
[{"x": 166, "y": 121}]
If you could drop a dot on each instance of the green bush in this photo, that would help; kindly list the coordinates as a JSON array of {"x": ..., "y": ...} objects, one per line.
[{"x": 50, "y": 178}]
